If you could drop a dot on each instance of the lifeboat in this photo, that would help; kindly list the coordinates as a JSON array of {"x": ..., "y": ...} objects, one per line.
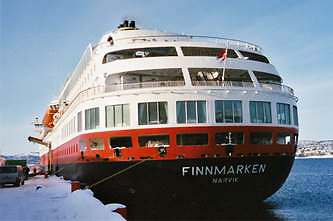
[{"x": 48, "y": 117}]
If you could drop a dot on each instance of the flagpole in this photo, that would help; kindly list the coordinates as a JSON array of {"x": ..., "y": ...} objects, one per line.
[{"x": 225, "y": 61}]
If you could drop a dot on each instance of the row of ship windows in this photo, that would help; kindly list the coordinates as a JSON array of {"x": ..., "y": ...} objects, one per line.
[
  {"x": 187, "y": 51},
  {"x": 199, "y": 77},
  {"x": 194, "y": 139},
  {"x": 187, "y": 112}
]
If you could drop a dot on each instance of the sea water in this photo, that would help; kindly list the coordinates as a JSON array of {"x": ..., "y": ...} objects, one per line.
[{"x": 307, "y": 194}]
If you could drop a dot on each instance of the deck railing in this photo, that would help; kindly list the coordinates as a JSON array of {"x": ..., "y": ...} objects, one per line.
[
  {"x": 93, "y": 91},
  {"x": 152, "y": 84},
  {"x": 226, "y": 42},
  {"x": 277, "y": 87},
  {"x": 99, "y": 90},
  {"x": 227, "y": 84}
]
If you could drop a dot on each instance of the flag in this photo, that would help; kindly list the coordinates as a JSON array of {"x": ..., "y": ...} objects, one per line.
[{"x": 222, "y": 55}]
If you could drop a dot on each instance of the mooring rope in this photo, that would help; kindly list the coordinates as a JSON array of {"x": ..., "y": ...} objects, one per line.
[{"x": 119, "y": 172}]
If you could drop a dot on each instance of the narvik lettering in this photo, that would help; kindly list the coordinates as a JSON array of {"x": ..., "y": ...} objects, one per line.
[{"x": 223, "y": 170}]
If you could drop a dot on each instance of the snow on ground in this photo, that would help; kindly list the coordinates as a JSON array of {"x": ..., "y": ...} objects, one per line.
[
  {"x": 52, "y": 199},
  {"x": 316, "y": 157}
]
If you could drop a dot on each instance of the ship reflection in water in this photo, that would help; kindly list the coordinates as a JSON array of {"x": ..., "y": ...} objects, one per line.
[
  {"x": 253, "y": 211},
  {"x": 307, "y": 195}
]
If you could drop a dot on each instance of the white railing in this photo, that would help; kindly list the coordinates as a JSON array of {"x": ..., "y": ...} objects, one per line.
[
  {"x": 99, "y": 90},
  {"x": 277, "y": 87},
  {"x": 226, "y": 42},
  {"x": 153, "y": 84},
  {"x": 94, "y": 91},
  {"x": 78, "y": 71},
  {"x": 227, "y": 84}
]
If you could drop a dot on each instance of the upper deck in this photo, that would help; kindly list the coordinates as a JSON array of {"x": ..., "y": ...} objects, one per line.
[
  {"x": 131, "y": 61},
  {"x": 144, "y": 36},
  {"x": 147, "y": 50}
]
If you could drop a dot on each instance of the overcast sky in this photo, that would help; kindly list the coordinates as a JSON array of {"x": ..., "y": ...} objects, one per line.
[{"x": 42, "y": 41}]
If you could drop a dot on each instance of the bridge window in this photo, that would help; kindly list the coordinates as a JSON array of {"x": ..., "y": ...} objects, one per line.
[
  {"x": 254, "y": 56},
  {"x": 92, "y": 118},
  {"x": 117, "y": 115},
  {"x": 295, "y": 115},
  {"x": 153, "y": 140},
  {"x": 153, "y": 113},
  {"x": 212, "y": 52},
  {"x": 144, "y": 79},
  {"x": 283, "y": 113},
  {"x": 264, "y": 77},
  {"x": 125, "y": 141},
  {"x": 228, "y": 111},
  {"x": 216, "y": 77},
  {"x": 261, "y": 138},
  {"x": 139, "y": 53},
  {"x": 260, "y": 112},
  {"x": 283, "y": 138},
  {"x": 198, "y": 139},
  {"x": 223, "y": 138},
  {"x": 191, "y": 112},
  {"x": 96, "y": 143}
]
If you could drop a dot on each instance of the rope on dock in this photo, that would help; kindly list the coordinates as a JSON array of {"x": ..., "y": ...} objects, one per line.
[{"x": 119, "y": 172}]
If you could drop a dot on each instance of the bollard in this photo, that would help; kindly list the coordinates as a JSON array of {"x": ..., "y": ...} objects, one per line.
[
  {"x": 75, "y": 185},
  {"x": 122, "y": 211}
]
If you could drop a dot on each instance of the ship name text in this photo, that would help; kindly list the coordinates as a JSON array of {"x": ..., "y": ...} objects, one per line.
[{"x": 223, "y": 170}]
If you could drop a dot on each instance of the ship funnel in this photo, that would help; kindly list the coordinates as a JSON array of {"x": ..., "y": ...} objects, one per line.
[
  {"x": 132, "y": 24},
  {"x": 126, "y": 25}
]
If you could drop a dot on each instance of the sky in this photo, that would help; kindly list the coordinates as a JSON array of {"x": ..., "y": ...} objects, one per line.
[{"x": 41, "y": 41}]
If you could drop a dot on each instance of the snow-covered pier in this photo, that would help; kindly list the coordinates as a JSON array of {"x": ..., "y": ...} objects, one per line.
[{"x": 52, "y": 199}]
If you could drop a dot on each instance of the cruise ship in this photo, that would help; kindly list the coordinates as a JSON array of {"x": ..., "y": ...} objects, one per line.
[{"x": 151, "y": 116}]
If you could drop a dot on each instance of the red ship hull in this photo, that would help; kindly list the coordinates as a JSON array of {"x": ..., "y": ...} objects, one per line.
[{"x": 209, "y": 174}]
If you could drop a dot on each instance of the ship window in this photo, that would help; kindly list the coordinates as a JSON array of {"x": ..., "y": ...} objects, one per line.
[
  {"x": 96, "y": 143},
  {"x": 83, "y": 145},
  {"x": 296, "y": 138},
  {"x": 79, "y": 121},
  {"x": 215, "y": 77},
  {"x": 145, "y": 79},
  {"x": 228, "y": 111},
  {"x": 261, "y": 138},
  {"x": 125, "y": 141},
  {"x": 153, "y": 140},
  {"x": 283, "y": 138},
  {"x": 212, "y": 52},
  {"x": 223, "y": 138},
  {"x": 139, "y": 53},
  {"x": 267, "y": 78},
  {"x": 260, "y": 112},
  {"x": 92, "y": 118},
  {"x": 191, "y": 112},
  {"x": 295, "y": 114},
  {"x": 117, "y": 115},
  {"x": 192, "y": 139},
  {"x": 283, "y": 113},
  {"x": 254, "y": 57},
  {"x": 153, "y": 113}
]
